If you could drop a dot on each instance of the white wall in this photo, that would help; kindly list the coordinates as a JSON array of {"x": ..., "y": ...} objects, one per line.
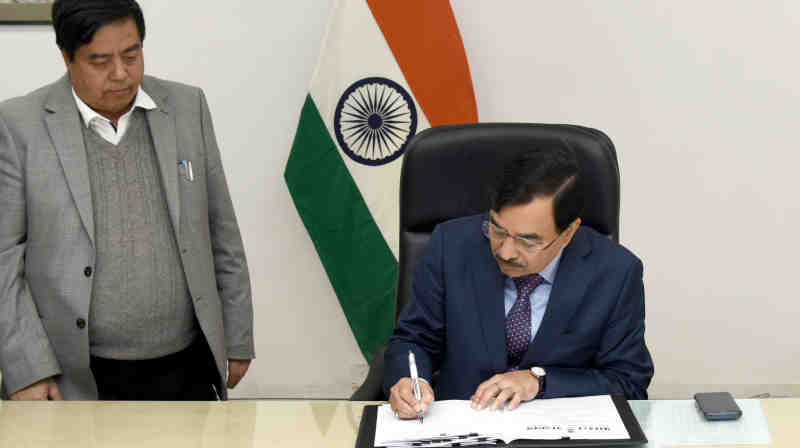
[{"x": 700, "y": 99}]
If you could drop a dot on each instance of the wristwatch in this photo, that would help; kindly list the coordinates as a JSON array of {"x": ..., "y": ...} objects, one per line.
[{"x": 540, "y": 374}]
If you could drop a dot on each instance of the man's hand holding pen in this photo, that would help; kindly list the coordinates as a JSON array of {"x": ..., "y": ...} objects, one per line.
[{"x": 401, "y": 397}]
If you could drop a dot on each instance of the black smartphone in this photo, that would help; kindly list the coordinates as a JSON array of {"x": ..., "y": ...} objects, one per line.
[{"x": 717, "y": 405}]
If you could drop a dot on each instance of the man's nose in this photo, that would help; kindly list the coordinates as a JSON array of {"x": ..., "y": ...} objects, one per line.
[
  {"x": 507, "y": 249},
  {"x": 118, "y": 71}
]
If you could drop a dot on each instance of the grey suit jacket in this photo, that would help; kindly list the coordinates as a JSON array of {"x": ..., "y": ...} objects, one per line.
[{"x": 47, "y": 234}]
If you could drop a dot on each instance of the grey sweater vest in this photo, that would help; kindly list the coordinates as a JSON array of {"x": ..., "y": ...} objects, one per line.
[{"x": 140, "y": 306}]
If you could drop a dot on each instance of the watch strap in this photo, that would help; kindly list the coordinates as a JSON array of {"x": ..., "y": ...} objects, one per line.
[{"x": 542, "y": 382}]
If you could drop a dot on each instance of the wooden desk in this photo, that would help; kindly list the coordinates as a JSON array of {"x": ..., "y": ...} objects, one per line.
[{"x": 266, "y": 423}]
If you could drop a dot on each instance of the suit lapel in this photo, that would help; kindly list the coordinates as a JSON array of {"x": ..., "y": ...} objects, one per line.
[
  {"x": 488, "y": 286},
  {"x": 569, "y": 290},
  {"x": 64, "y": 124},
  {"x": 162, "y": 129}
]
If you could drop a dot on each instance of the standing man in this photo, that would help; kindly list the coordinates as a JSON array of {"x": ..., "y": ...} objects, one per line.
[
  {"x": 122, "y": 271},
  {"x": 523, "y": 302}
]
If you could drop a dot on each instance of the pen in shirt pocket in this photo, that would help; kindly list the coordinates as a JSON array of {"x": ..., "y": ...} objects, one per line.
[{"x": 188, "y": 173}]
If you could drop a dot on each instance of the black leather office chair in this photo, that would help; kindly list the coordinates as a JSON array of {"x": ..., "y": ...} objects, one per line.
[{"x": 447, "y": 172}]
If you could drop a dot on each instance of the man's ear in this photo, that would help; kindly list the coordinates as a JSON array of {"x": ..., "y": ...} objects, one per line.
[{"x": 572, "y": 228}]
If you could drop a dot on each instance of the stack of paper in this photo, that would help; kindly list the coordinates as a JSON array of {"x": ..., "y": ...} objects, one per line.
[{"x": 455, "y": 423}]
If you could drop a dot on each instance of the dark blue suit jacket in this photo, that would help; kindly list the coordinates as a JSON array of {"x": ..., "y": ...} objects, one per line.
[{"x": 591, "y": 340}]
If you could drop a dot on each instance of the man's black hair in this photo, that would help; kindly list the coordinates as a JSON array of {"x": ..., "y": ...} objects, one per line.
[
  {"x": 552, "y": 171},
  {"x": 76, "y": 21}
]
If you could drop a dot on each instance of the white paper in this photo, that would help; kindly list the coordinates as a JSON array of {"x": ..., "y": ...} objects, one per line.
[{"x": 454, "y": 421}]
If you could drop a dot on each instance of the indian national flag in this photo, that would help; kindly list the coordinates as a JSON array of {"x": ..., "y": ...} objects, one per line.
[{"x": 388, "y": 70}]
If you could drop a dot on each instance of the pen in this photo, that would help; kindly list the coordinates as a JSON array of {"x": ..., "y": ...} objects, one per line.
[
  {"x": 188, "y": 172},
  {"x": 412, "y": 366}
]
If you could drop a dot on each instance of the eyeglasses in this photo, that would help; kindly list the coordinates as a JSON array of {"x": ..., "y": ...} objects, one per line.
[{"x": 496, "y": 233}]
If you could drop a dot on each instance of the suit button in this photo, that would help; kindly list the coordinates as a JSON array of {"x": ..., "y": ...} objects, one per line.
[
  {"x": 81, "y": 323},
  {"x": 87, "y": 271}
]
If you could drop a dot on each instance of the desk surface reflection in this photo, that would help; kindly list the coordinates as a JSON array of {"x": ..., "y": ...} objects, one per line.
[{"x": 273, "y": 423}]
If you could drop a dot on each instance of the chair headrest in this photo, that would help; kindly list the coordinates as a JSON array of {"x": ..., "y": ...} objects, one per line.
[{"x": 447, "y": 171}]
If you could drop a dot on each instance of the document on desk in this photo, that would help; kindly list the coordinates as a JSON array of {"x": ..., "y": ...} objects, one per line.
[{"x": 452, "y": 422}]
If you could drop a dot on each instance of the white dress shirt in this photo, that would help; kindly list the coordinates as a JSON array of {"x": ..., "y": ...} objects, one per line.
[{"x": 102, "y": 125}]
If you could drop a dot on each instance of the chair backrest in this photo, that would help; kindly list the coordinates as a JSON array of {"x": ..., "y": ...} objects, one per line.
[{"x": 447, "y": 172}]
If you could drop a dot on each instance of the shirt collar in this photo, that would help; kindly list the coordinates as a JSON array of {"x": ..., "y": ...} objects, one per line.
[
  {"x": 549, "y": 271},
  {"x": 88, "y": 114}
]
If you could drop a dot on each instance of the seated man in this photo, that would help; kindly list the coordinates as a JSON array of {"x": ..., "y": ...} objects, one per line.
[{"x": 522, "y": 302}]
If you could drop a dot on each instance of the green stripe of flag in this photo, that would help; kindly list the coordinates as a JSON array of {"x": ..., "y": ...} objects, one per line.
[{"x": 359, "y": 263}]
